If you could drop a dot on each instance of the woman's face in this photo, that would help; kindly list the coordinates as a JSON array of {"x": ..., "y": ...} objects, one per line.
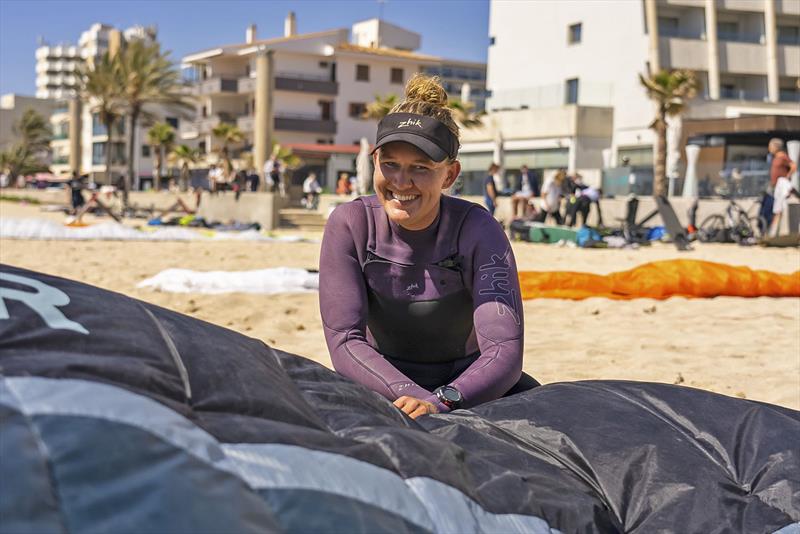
[{"x": 409, "y": 185}]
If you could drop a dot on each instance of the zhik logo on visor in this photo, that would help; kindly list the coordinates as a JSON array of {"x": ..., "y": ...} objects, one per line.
[{"x": 410, "y": 122}]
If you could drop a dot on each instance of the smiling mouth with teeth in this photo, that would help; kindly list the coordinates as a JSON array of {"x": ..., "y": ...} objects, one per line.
[{"x": 403, "y": 198}]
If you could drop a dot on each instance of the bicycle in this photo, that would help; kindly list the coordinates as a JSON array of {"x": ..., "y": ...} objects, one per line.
[{"x": 735, "y": 225}]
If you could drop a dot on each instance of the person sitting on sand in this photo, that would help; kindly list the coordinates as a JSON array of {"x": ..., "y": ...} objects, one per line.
[{"x": 419, "y": 294}]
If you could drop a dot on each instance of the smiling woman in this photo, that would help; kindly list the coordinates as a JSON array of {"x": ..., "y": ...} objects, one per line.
[{"x": 419, "y": 293}]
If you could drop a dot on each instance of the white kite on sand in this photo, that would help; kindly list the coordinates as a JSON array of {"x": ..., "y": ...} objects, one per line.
[
  {"x": 110, "y": 231},
  {"x": 263, "y": 281}
]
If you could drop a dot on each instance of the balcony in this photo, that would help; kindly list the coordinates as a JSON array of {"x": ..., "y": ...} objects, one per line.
[
  {"x": 307, "y": 83},
  {"x": 297, "y": 122},
  {"x": 744, "y": 95},
  {"x": 204, "y": 125},
  {"x": 740, "y": 37},
  {"x": 789, "y": 61},
  {"x": 789, "y": 95},
  {"x": 247, "y": 85},
  {"x": 294, "y": 81},
  {"x": 743, "y": 58},
  {"x": 683, "y": 53},
  {"x": 215, "y": 86},
  {"x": 246, "y": 123}
]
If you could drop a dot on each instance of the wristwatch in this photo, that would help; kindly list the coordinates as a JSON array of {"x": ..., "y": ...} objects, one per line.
[{"x": 449, "y": 396}]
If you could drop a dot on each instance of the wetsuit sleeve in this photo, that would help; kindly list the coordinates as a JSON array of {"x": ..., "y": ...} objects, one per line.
[
  {"x": 343, "y": 307},
  {"x": 497, "y": 312}
]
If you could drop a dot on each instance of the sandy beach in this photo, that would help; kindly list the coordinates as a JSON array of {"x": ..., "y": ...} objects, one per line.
[{"x": 748, "y": 348}]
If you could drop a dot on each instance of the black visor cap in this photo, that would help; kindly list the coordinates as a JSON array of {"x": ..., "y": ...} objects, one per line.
[{"x": 429, "y": 135}]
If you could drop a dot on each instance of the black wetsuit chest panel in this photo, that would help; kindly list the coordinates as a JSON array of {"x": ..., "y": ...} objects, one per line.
[{"x": 418, "y": 329}]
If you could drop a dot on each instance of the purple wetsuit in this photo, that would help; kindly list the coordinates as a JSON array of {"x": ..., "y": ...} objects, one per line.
[{"x": 407, "y": 311}]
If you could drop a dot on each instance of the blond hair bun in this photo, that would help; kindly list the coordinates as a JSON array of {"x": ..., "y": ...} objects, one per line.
[
  {"x": 426, "y": 96},
  {"x": 428, "y": 89}
]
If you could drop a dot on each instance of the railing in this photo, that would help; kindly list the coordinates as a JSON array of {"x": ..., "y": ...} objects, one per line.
[
  {"x": 302, "y": 116},
  {"x": 681, "y": 33},
  {"x": 303, "y": 76},
  {"x": 789, "y": 39},
  {"x": 741, "y": 37},
  {"x": 306, "y": 84},
  {"x": 743, "y": 95},
  {"x": 304, "y": 122},
  {"x": 216, "y": 85},
  {"x": 247, "y": 84}
]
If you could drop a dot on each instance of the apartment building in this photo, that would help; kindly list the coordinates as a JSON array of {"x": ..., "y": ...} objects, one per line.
[
  {"x": 322, "y": 81},
  {"x": 57, "y": 77},
  {"x": 577, "y": 87}
]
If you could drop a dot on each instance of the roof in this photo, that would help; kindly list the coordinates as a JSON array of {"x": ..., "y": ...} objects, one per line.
[
  {"x": 209, "y": 52},
  {"x": 388, "y": 52}
]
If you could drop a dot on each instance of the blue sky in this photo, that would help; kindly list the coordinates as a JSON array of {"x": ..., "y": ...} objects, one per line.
[{"x": 456, "y": 29}]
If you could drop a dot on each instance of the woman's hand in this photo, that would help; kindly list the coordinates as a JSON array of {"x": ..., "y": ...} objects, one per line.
[{"x": 414, "y": 407}]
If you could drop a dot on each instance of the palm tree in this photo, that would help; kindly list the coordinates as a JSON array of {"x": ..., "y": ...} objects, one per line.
[
  {"x": 463, "y": 112},
  {"x": 671, "y": 92},
  {"x": 161, "y": 137},
  {"x": 33, "y": 140},
  {"x": 286, "y": 157},
  {"x": 380, "y": 107},
  {"x": 184, "y": 156},
  {"x": 150, "y": 78},
  {"x": 101, "y": 86},
  {"x": 18, "y": 160},
  {"x": 33, "y": 131},
  {"x": 229, "y": 134},
  {"x": 465, "y": 115}
]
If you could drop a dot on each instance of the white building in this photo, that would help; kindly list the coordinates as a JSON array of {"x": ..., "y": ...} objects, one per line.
[
  {"x": 56, "y": 71},
  {"x": 323, "y": 82},
  {"x": 563, "y": 66},
  {"x": 57, "y": 77}
]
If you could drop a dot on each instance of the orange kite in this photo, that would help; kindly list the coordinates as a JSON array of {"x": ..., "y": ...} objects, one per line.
[{"x": 661, "y": 280}]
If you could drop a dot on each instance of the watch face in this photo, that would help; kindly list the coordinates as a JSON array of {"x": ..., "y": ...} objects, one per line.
[{"x": 451, "y": 394}]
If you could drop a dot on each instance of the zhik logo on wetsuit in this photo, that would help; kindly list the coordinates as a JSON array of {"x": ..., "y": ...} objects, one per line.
[
  {"x": 43, "y": 301},
  {"x": 497, "y": 271}
]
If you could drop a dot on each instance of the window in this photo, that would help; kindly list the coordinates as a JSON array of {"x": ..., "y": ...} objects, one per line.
[
  {"x": 201, "y": 147},
  {"x": 668, "y": 26},
  {"x": 362, "y": 73},
  {"x": 397, "y": 76},
  {"x": 571, "y": 96},
  {"x": 326, "y": 110},
  {"x": 323, "y": 64},
  {"x": 491, "y": 41},
  {"x": 357, "y": 109},
  {"x": 727, "y": 31},
  {"x": 145, "y": 151},
  {"x": 172, "y": 121},
  {"x": 574, "y": 33},
  {"x": 98, "y": 128},
  {"x": 789, "y": 35}
]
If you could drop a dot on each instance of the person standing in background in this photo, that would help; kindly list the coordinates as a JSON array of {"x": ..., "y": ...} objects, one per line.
[
  {"x": 780, "y": 171},
  {"x": 490, "y": 189}
]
